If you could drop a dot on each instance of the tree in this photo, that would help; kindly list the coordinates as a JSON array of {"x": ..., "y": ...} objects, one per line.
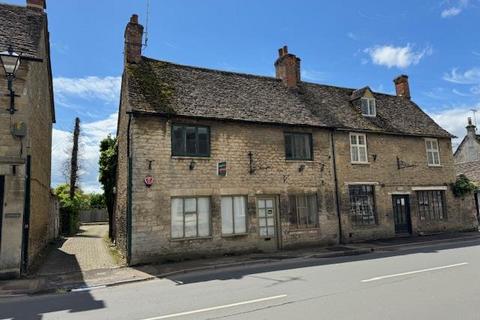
[
  {"x": 70, "y": 207},
  {"x": 108, "y": 174},
  {"x": 97, "y": 201},
  {"x": 74, "y": 159}
]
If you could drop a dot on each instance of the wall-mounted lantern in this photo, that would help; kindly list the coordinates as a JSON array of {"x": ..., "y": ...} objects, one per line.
[{"x": 10, "y": 62}]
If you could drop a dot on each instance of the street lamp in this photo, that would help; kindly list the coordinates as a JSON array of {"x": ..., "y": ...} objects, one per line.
[{"x": 10, "y": 62}]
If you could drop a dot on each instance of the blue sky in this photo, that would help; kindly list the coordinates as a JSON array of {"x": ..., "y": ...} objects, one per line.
[{"x": 345, "y": 43}]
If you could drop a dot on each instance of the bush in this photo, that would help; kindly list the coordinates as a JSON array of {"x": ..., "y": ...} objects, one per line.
[
  {"x": 463, "y": 186},
  {"x": 69, "y": 208}
]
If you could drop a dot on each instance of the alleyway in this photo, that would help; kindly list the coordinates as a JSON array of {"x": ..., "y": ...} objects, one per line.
[{"x": 85, "y": 251}]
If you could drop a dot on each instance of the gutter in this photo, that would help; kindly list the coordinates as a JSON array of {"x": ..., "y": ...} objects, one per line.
[
  {"x": 337, "y": 202},
  {"x": 26, "y": 218},
  {"x": 129, "y": 194}
]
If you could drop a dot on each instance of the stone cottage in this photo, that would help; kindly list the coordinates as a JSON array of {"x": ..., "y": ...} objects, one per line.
[
  {"x": 467, "y": 158},
  {"x": 215, "y": 162},
  {"x": 26, "y": 118}
]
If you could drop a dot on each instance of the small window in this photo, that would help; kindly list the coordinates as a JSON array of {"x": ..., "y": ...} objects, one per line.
[
  {"x": 298, "y": 146},
  {"x": 234, "y": 215},
  {"x": 358, "y": 148},
  {"x": 303, "y": 211},
  {"x": 362, "y": 204},
  {"x": 433, "y": 153},
  {"x": 369, "y": 107},
  {"x": 431, "y": 205},
  {"x": 190, "y": 141},
  {"x": 190, "y": 217}
]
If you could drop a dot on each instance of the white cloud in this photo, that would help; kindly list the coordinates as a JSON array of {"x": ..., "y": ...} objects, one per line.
[
  {"x": 90, "y": 136},
  {"x": 470, "y": 76},
  {"x": 400, "y": 57},
  {"x": 451, "y": 12},
  {"x": 106, "y": 88},
  {"x": 454, "y": 120}
]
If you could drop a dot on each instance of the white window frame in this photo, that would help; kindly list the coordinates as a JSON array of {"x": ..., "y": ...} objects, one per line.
[
  {"x": 358, "y": 146},
  {"x": 433, "y": 151},
  {"x": 196, "y": 213},
  {"x": 245, "y": 206},
  {"x": 371, "y": 106}
]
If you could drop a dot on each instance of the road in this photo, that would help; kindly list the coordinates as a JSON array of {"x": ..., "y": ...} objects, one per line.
[{"x": 436, "y": 282}]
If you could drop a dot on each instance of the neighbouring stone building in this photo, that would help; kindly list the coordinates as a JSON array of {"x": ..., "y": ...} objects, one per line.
[
  {"x": 26, "y": 203},
  {"x": 214, "y": 162},
  {"x": 467, "y": 158}
]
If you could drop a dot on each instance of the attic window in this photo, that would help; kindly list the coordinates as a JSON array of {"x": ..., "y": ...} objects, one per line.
[{"x": 369, "y": 107}]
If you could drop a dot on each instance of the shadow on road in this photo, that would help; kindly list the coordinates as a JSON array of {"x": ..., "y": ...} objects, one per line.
[
  {"x": 37, "y": 307},
  {"x": 239, "y": 272}
]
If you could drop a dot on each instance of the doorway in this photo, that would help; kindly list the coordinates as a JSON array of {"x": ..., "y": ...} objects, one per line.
[
  {"x": 267, "y": 221},
  {"x": 401, "y": 214}
]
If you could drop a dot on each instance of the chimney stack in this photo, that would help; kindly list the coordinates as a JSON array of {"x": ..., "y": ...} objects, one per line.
[
  {"x": 287, "y": 68},
  {"x": 402, "y": 87},
  {"x": 471, "y": 128},
  {"x": 37, "y": 4},
  {"x": 133, "y": 41}
]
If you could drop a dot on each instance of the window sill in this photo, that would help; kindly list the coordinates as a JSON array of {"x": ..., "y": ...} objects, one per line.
[
  {"x": 434, "y": 165},
  {"x": 360, "y": 163},
  {"x": 298, "y": 160},
  {"x": 190, "y": 239},
  {"x": 235, "y": 235},
  {"x": 191, "y": 157},
  {"x": 303, "y": 229}
]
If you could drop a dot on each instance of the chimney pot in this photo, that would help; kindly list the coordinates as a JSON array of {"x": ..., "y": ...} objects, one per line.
[
  {"x": 37, "y": 4},
  {"x": 402, "y": 87},
  {"x": 287, "y": 68},
  {"x": 133, "y": 41}
]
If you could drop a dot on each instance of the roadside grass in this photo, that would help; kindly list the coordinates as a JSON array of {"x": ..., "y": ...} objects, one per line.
[{"x": 114, "y": 252}]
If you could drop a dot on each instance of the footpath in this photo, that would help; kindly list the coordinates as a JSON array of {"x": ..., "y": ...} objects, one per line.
[{"x": 65, "y": 279}]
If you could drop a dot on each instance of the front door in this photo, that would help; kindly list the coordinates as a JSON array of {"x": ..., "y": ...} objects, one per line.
[
  {"x": 401, "y": 214},
  {"x": 267, "y": 220}
]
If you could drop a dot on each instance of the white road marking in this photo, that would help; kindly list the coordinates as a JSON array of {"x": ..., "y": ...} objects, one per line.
[
  {"x": 216, "y": 308},
  {"x": 414, "y": 272}
]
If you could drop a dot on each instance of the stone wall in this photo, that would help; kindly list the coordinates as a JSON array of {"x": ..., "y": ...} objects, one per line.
[
  {"x": 382, "y": 171},
  {"x": 40, "y": 149},
  {"x": 230, "y": 142}
]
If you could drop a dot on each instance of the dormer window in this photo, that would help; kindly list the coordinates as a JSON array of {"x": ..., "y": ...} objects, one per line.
[{"x": 369, "y": 107}]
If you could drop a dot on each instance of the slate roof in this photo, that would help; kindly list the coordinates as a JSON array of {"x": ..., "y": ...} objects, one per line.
[
  {"x": 164, "y": 88},
  {"x": 21, "y": 27},
  {"x": 470, "y": 169}
]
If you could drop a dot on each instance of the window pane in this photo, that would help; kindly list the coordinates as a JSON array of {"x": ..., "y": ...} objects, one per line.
[
  {"x": 364, "y": 106},
  {"x": 203, "y": 141},
  {"x": 353, "y": 139},
  {"x": 178, "y": 141},
  {"x": 361, "y": 139},
  {"x": 190, "y": 205},
  {"x": 227, "y": 215},
  {"x": 191, "y": 140},
  {"x": 312, "y": 211},
  {"x": 240, "y": 215},
  {"x": 362, "y": 204},
  {"x": 355, "y": 154},
  {"x": 288, "y": 146},
  {"x": 430, "y": 157},
  {"x": 308, "y": 148},
  {"x": 362, "y": 154},
  {"x": 429, "y": 144},
  {"x": 434, "y": 144},
  {"x": 436, "y": 160},
  {"x": 177, "y": 218},
  {"x": 203, "y": 217},
  {"x": 190, "y": 225}
]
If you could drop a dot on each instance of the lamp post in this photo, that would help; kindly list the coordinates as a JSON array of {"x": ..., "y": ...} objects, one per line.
[{"x": 10, "y": 62}]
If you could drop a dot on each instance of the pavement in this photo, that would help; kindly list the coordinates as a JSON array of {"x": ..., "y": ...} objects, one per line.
[
  {"x": 95, "y": 267},
  {"x": 437, "y": 279}
]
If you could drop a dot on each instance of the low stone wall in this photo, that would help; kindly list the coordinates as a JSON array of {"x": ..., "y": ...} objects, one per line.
[{"x": 93, "y": 215}]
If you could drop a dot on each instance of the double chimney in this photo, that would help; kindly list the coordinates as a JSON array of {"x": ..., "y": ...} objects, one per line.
[
  {"x": 287, "y": 68},
  {"x": 401, "y": 86},
  {"x": 37, "y": 4}
]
